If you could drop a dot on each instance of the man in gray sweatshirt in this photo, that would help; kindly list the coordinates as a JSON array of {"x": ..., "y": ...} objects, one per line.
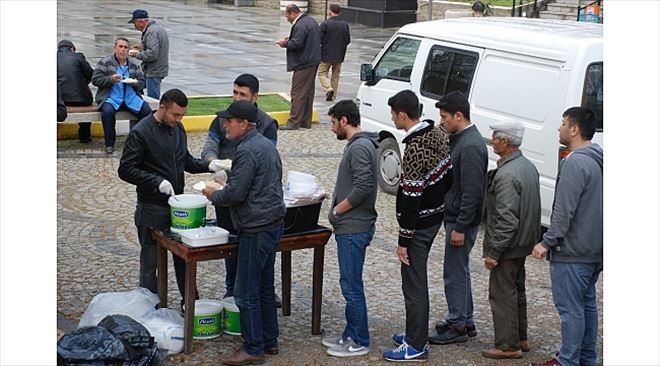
[
  {"x": 574, "y": 241},
  {"x": 464, "y": 203},
  {"x": 353, "y": 217}
]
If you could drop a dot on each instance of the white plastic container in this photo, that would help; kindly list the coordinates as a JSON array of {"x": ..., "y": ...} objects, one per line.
[
  {"x": 204, "y": 236},
  {"x": 207, "y": 321}
]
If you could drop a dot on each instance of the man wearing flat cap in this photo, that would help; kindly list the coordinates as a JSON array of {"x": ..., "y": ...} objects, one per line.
[
  {"x": 253, "y": 194},
  {"x": 154, "y": 51},
  {"x": 513, "y": 226}
]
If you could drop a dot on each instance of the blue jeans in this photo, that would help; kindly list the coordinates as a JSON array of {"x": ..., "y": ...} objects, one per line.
[
  {"x": 351, "y": 250},
  {"x": 574, "y": 294},
  {"x": 456, "y": 274},
  {"x": 254, "y": 290},
  {"x": 153, "y": 87},
  {"x": 109, "y": 120}
]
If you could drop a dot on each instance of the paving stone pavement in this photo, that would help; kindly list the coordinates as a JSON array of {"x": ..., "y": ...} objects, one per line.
[{"x": 97, "y": 243}]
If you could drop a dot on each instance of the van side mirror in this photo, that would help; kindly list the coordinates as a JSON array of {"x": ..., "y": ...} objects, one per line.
[{"x": 367, "y": 74}]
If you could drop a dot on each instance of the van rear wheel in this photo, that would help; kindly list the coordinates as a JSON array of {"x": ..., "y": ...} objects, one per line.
[{"x": 389, "y": 158}]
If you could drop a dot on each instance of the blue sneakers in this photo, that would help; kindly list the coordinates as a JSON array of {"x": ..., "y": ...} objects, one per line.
[
  {"x": 399, "y": 338},
  {"x": 406, "y": 353}
]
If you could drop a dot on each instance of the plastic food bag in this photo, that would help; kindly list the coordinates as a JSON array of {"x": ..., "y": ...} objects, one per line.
[
  {"x": 166, "y": 326},
  {"x": 134, "y": 303}
]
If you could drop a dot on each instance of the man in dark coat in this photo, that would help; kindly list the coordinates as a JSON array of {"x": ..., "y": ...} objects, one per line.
[
  {"x": 335, "y": 37},
  {"x": 73, "y": 76},
  {"x": 303, "y": 55}
]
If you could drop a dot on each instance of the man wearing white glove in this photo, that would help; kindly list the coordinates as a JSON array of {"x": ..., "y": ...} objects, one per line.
[
  {"x": 165, "y": 187},
  {"x": 147, "y": 163}
]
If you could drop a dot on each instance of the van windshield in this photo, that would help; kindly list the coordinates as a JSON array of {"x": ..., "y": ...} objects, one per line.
[
  {"x": 397, "y": 62},
  {"x": 592, "y": 93}
]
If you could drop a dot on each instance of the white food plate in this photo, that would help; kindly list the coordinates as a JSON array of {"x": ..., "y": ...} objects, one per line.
[
  {"x": 204, "y": 236},
  {"x": 129, "y": 81}
]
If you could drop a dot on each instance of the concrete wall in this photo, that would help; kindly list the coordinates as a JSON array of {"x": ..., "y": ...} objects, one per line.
[{"x": 440, "y": 7}]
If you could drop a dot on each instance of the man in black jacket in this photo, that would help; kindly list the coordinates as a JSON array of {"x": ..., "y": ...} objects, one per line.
[
  {"x": 335, "y": 37},
  {"x": 254, "y": 196},
  {"x": 73, "y": 76},
  {"x": 154, "y": 159},
  {"x": 303, "y": 55},
  {"x": 464, "y": 203}
]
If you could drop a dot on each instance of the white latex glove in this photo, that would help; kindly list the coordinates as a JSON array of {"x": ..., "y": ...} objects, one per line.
[
  {"x": 165, "y": 187},
  {"x": 220, "y": 176},
  {"x": 218, "y": 164}
]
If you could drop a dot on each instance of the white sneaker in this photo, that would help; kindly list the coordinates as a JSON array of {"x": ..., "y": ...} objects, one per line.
[
  {"x": 334, "y": 341},
  {"x": 348, "y": 349}
]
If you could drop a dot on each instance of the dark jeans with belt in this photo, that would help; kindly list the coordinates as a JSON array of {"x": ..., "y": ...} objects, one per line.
[
  {"x": 414, "y": 283},
  {"x": 254, "y": 291},
  {"x": 508, "y": 302},
  {"x": 148, "y": 216},
  {"x": 109, "y": 120}
]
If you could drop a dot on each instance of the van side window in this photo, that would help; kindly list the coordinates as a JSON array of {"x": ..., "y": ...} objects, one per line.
[
  {"x": 397, "y": 62},
  {"x": 448, "y": 70},
  {"x": 592, "y": 93}
]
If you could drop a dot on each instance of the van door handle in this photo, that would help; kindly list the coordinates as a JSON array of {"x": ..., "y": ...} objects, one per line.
[{"x": 367, "y": 104}]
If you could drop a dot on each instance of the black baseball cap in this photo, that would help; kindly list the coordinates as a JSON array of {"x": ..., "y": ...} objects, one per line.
[
  {"x": 139, "y": 14},
  {"x": 241, "y": 109}
]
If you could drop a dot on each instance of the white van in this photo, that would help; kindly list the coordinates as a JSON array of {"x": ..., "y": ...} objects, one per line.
[{"x": 530, "y": 70}]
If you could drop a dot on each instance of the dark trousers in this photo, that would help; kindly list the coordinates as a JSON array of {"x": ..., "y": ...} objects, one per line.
[
  {"x": 109, "y": 120},
  {"x": 148, "y": 216},
  {"x": 508, "y": 302},
  {"x": 84, "y": 128},
  {"x": 254, "y": 292},
  {"x": 302, "y": 97},
  {"x": 414, "y": 283}
]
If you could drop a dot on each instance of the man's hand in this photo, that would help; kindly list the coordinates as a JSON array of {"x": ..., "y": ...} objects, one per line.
[
  {"x": 137, "y": 47},
  {"x": 282, "y": 41},
  {"x": 457, "y": 239},
  {"x": 116, "y": 78},
  {"x": 134, "y": 52},
  {"x": 540, "y": 252},
  {"x": 402, "y": 252},
  {"x": 165, "y": 187},
  {"x": 490, "y": 263},
  {"x": 208, "y": 192}
]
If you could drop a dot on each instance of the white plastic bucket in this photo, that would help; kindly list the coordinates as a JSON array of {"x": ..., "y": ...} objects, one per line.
[
  {"x": 231, "y": 317},
  {"x": 207, "y": 322},
  {"x": 187, "y": 211}
]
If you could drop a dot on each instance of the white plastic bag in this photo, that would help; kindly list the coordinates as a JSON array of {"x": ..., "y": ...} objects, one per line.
[
  {"x": 166, "y": 326},
  {"x": 134, "y": 303}
]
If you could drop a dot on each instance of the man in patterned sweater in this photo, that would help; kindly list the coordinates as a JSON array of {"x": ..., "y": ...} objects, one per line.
[{"x": 419, "y": 210}]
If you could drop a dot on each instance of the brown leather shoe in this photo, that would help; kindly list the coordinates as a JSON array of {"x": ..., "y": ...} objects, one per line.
[
  {"x": 524, "y": 346},
  {"x": 271, "y": 350},
  {"x": 240, "y": 357},
  {"x": 498, "y": 354}
]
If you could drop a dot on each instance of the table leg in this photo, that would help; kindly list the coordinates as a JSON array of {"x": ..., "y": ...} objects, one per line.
[
  {"x": 317, "y": 289},
  {"x": 286, "y": 283},
  {"x": 191, "y": 290},
  {"x": 161, "y": 265}
]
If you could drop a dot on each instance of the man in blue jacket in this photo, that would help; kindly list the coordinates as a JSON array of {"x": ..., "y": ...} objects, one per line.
[
  {"x": 574, "y": 241},
  {"x": 303, "y": 55},
  {"x": 254, "y": 196}
]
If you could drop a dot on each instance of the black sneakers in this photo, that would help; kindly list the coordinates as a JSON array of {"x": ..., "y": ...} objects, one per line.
[
  {"x": 450, "y": 335},
  {"x": 441, "y": 325}
]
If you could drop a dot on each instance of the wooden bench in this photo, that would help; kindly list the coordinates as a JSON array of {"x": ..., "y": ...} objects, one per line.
[{"x": 91, "y": 112}]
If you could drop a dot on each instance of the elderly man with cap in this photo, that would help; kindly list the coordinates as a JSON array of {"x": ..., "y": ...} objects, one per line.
[
  {"x": 154, "y": 51},
  {"x": 513, "y": 226},
  {"x": 253, "y": 194}
]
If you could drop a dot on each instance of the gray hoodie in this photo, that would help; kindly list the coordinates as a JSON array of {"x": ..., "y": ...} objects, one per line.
[
  {"x": 357, "y": 181},
  {"x": 576, "y": 226}
]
